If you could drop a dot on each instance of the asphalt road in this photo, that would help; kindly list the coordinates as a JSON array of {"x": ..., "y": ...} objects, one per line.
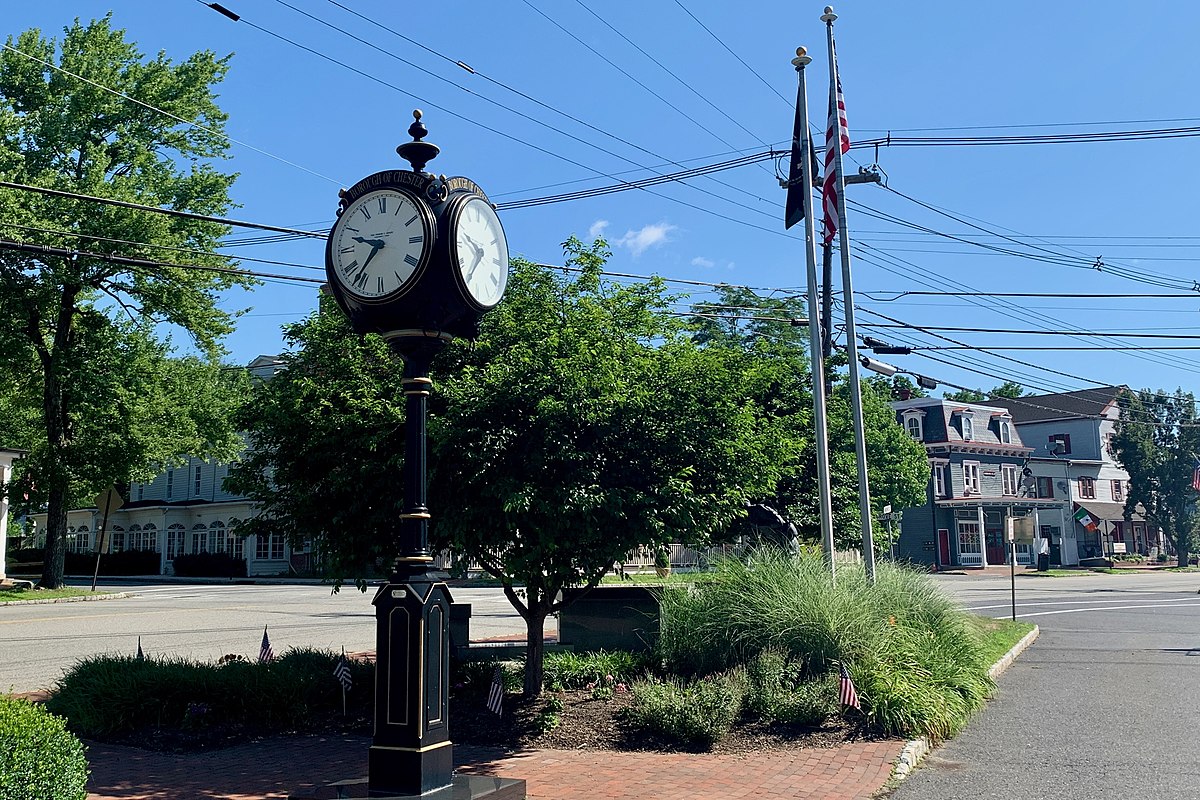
[
  {"x": 1102, "y": 705},
  {"x": 39, "y": 642}
]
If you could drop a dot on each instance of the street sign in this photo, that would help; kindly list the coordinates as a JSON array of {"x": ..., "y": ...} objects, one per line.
[{"x": 1118, "y": 547}]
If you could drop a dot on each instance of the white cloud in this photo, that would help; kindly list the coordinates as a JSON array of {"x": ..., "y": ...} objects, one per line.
[
  {"x": 640, "y": 241},
  {"x": 597, "y": 229},
  {"x": 701, "y": 261}
]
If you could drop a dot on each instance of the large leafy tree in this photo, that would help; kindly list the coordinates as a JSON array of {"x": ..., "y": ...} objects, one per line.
[
  {"x": 777, "y": 379},
  {"x": 1157, "y": 440},
  {"x": 585, "y": 423},
  {"x": 96, "y": 394},
  {"x": 326, "y": 445}
]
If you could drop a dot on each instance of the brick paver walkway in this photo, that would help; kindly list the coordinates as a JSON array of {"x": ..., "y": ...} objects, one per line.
[{"x": 272, "y": 768}]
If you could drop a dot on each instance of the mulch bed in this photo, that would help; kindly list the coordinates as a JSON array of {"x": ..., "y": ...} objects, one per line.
[{"x": 585, "y": 723}]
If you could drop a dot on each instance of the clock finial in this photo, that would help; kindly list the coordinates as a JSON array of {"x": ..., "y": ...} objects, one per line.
[{"x": 418, "y": 153}]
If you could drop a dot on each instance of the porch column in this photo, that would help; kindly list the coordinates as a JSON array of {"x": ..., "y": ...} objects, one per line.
[{"x": 982, "y": 536}]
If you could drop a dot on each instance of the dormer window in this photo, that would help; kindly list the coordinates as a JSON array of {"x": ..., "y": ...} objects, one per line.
[
  {"x": 968, "y": 426},
  {"x": 1005, "y": 430},
  {"x": 913, "y": 424}
]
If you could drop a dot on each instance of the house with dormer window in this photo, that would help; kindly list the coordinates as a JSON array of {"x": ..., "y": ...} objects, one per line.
[
  {"x": 1072, "y": 461},
  {"x": 976, "y": 464}
]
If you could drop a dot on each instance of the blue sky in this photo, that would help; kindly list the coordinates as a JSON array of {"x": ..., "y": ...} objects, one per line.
[{"x": 935, "y": 69}]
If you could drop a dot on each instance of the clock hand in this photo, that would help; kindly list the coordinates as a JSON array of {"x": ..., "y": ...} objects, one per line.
[
  {"x": 376, "y": 243},
  {"x": 375, "y": 248}
]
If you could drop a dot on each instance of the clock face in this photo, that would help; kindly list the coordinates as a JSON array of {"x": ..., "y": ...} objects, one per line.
[
  {"x": 380, "y": 244},
  {"x": 480, "y": 251}
]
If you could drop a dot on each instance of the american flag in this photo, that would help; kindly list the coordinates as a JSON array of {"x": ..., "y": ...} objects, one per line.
[
  {"x": 265, "y": 654},
  {"x": 1196, "y": 476},
  {"x": 846, "y": 692},
  {"x": 495, "y": 701},
  {"x": 835, "y": 135},
  {"x": 342, "y": 672}
]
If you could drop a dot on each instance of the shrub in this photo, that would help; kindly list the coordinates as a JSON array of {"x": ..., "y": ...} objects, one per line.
[
  {"x": 1162, "y": 558},
  {"x": 778, "y": 692},
  {"x": 696, "y": 713},
  {"x": 915, "y": 657},
  {"x": 126, "y": 562},
  {"x": 39, "y": 758},
  {"x": 209, "y": 565},
  {"x": 565, "y": 670},
  {"x": 109, "y": 696}
]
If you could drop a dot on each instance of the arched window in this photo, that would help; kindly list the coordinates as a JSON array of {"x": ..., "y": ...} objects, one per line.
[
  {"x": 237, "y": 544},
  {"x": 149, "y": 538},
  {"x": 175, "y": 538},
  {"x": 83, "y": 539},
  {"x": 199, "y": 538},
  {"x": 217, "y": 538},
  {"x": 116, "y": 539},
  {"x": 133, "y": 541}
]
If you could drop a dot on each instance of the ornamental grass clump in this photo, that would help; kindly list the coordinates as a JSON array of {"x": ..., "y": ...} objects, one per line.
[
  {"x": 915, "y": 656},
  {"x": 39, "y": 758}
]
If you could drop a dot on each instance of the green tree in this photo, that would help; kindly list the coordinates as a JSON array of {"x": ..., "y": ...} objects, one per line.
[
  {"x": 584, "y": 423},
  {"x": 587, "y": 422},
  {"x": 1156, "y": 440},
  {"x": 1009, "y": 390},
  {"x": 105, "y": 400},
  {"x": 326, "y": 446}
]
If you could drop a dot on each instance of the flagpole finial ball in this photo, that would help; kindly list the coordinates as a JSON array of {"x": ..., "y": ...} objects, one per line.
[
  {"x": 801, "y": 52},
  {"x": 828, "y": 16},
  {"x": 828, "y": 9}
]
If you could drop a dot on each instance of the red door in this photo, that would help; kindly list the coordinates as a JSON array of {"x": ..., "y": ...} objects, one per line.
[
  {"x": 995, "y": 547},
  {"x": 943, "y": 546}
]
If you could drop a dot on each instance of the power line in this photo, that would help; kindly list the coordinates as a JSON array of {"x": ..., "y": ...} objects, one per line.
[
  {"x": 63, "y": 252},
  {"x": 188, "y": 250},
  {"x": 1034, "y": 125},
  {"x": 1086, "y": 137},
  {"x": 1074, "y": 295},
  {"x": 1137, "y": 348},
  {"x": 1120, "y": 334},
  {"x": 155, "y": 209}
]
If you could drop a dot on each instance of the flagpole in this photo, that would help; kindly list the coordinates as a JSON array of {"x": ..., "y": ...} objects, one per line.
[
  {"x": 816, "y": 357},
  {"x": 860, "y": 444}
]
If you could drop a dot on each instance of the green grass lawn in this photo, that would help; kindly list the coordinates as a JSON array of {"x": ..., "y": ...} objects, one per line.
[
  {"x": 999, "y": 635},
  {"x": 10, "y": 595}
]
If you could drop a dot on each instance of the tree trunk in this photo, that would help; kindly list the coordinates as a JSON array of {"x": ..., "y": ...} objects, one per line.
[
  {"x": 56, "y": 541},
  {"x": 56, "y": 416},
  {"x": 535, "y": 667}
]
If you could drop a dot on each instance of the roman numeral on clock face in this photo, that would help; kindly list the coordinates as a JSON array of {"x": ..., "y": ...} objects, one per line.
[{"x": 411, "y": 260}]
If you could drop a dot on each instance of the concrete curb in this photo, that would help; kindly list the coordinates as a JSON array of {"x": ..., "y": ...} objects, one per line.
[
  {"x": 79, "y": 599},
  {"x": 916, "y": 749}
]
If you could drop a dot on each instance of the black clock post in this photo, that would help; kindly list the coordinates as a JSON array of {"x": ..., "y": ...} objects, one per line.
[{"x": 401, "y": 263}]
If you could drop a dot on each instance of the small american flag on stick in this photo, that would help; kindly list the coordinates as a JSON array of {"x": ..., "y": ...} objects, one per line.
[
  {"x": 265, "y": 654},
  {"x": 342, "y": 672},
  {"x": 846, "y": 692},
  {"x": 1196, "y": 475},
  {"x": 495, "y": 701}
]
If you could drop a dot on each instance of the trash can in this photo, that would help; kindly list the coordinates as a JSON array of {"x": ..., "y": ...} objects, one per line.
[{"x": 1043, "y": 562}]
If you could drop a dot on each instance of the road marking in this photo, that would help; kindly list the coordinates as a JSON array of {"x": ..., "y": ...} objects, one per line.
[
  {"x": 1080, "y": 602},
  {"x": 1111, "y": 608}
]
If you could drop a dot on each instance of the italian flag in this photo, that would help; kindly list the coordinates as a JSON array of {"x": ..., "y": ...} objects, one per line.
[{"x": 1085, "y": 519}]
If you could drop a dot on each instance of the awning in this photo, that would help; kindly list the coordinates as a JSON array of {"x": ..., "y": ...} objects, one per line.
[{"x": 1114, "y": 512}]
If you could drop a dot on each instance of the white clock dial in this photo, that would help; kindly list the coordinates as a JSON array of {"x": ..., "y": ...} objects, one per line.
[
  {"x": 379, "y": 244},
  {"x": 480, "y": 251}
]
